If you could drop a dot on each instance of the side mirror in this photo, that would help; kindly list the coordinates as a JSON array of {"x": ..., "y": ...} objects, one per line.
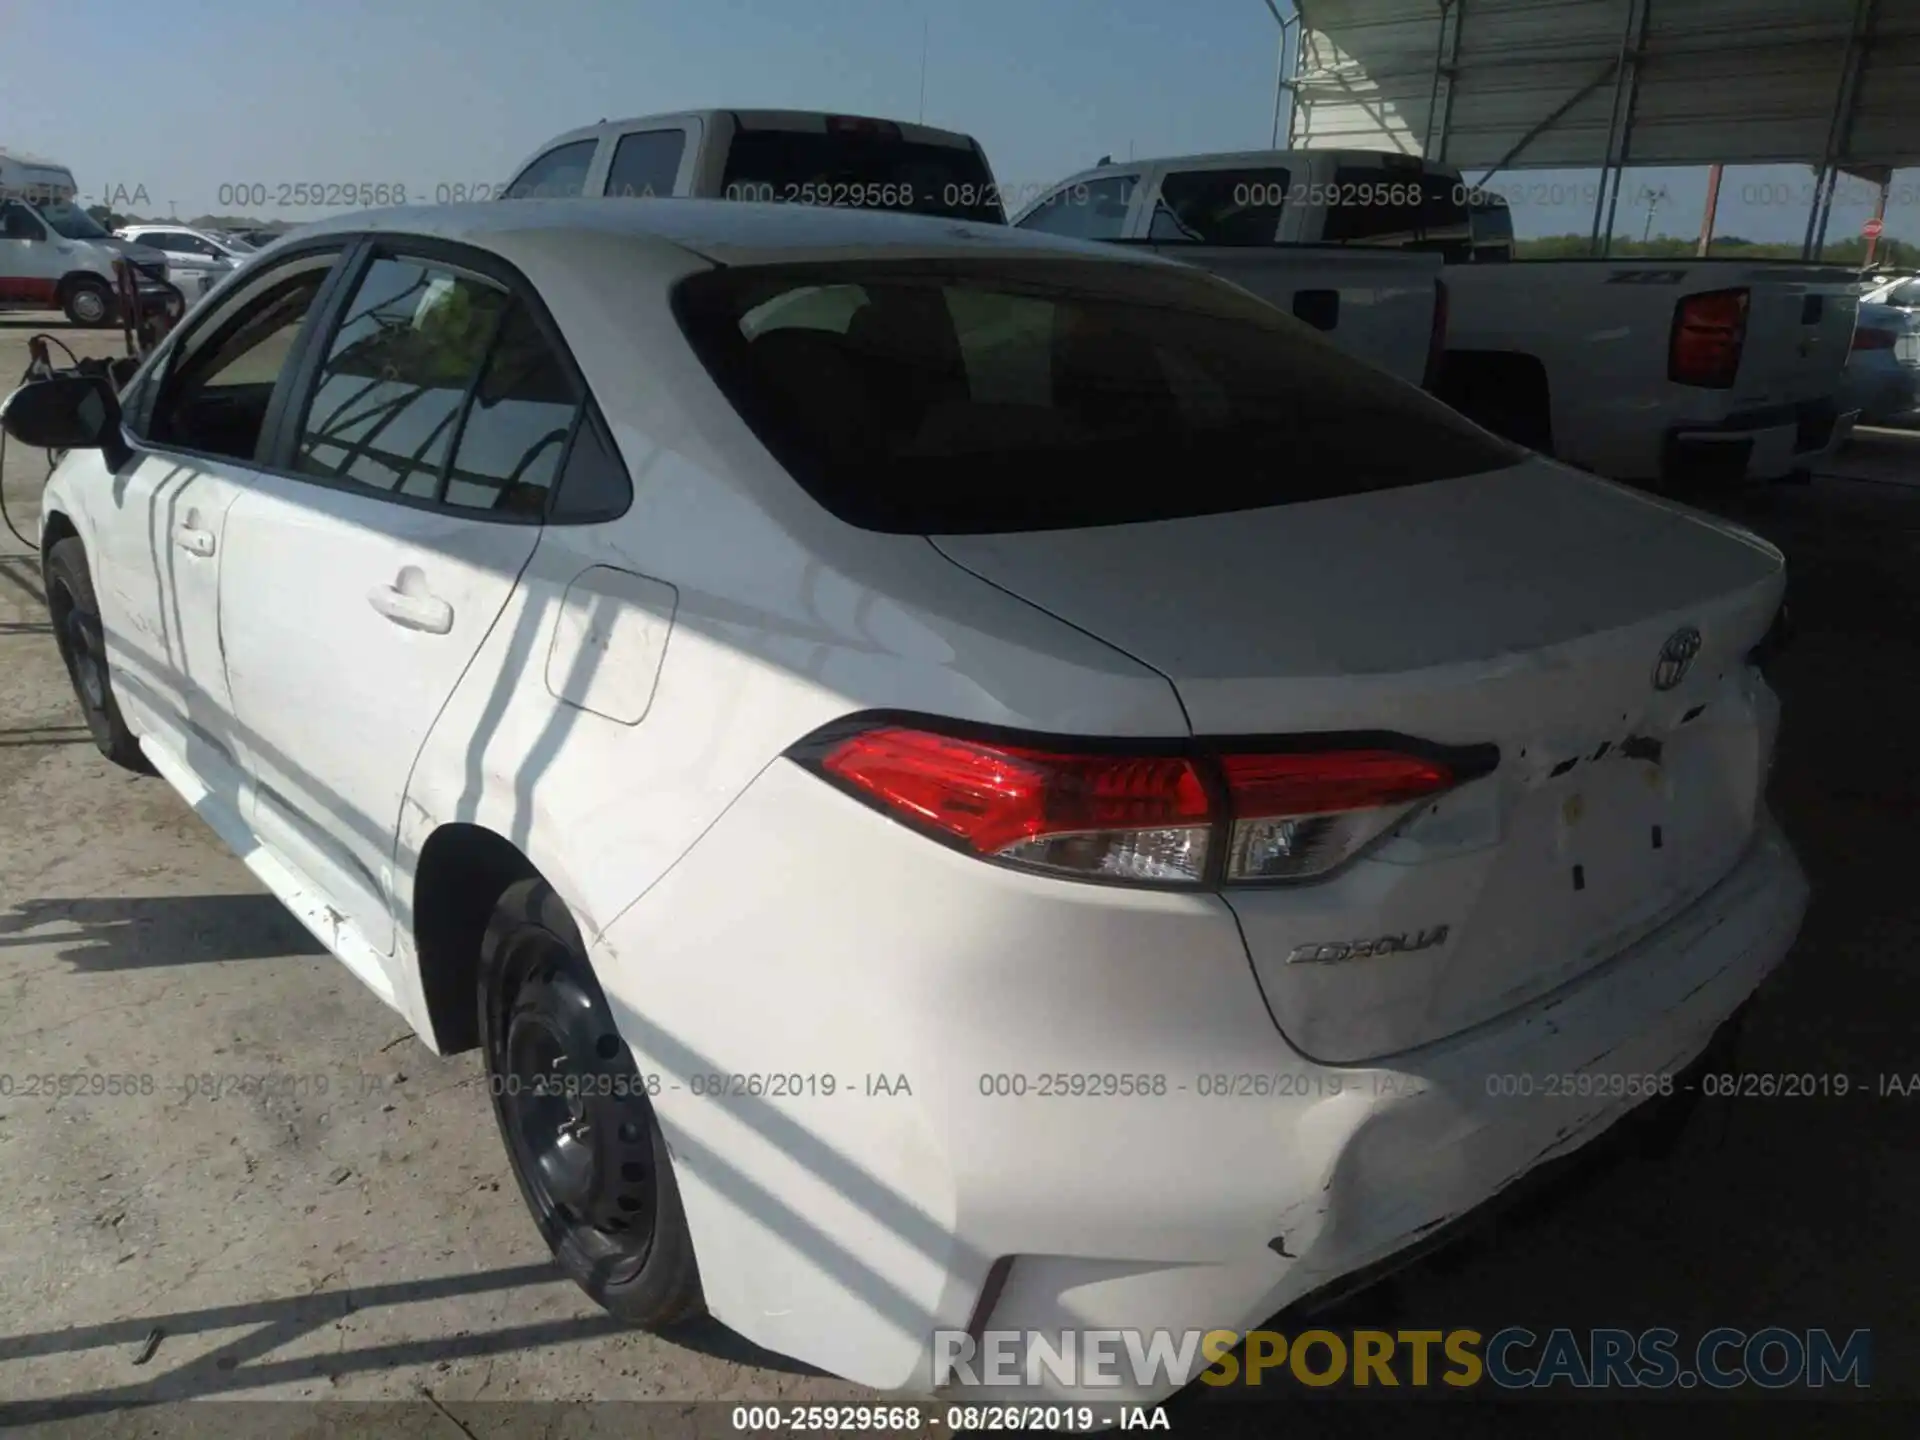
[{"x": 68, "y": 412}]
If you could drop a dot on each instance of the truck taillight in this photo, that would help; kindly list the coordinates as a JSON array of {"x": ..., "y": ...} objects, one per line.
[
  {"x": 1709, "y": 332},
  {"x": 1186, "y": 817},
  {"x": 1437, "y": 341}
]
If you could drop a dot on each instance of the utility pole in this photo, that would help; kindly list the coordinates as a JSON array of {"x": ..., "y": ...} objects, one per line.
[
  {"x": 1713, "y": 211},
  {"x": 1655, "y": 199}
]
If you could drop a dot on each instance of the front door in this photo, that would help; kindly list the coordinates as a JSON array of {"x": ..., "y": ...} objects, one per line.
[{"x": 160, "y": 533}]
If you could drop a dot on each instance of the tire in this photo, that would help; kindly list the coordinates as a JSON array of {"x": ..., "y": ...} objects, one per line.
[
  {"x": 580, "y": 1134},
  {"x": 89, "y": 305},
  {"x": 76, "y": 629}
]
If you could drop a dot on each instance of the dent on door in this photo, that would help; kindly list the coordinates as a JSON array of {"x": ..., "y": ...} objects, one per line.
[{"x": 609, "y": 642}]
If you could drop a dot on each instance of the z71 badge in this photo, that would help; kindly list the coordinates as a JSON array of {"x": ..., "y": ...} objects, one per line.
[{"x": 1403, "y": 944}]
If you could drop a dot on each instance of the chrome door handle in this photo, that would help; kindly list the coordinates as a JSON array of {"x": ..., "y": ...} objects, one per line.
[
  {"x": 415, "y": 611},
  {"x": 193, "y": 541}
]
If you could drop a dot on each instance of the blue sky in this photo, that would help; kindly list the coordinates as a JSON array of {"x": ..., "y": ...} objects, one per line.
[{"x": 184, "y": 97}]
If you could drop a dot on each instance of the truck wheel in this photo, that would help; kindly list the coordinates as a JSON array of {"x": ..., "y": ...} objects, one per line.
[
  {"x": 82, "y": 642},
  {"x": 585, "y": 1147},
  {"x": 89, "y": 304}
]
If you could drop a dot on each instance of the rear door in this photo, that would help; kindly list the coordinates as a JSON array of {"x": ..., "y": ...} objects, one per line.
[{"x": 410, "y": 483}]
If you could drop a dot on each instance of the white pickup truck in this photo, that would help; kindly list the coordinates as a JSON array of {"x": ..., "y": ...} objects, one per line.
[
  {"x": 801, "y": 157},
  {"x": 1642, "y": 370},
  {"x": 1246, "y": 218}
]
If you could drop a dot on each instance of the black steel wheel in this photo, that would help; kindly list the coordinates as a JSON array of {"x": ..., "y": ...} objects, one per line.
[
  {"x": 75, "y": 614},
  {"x": 576, "y": 1118}
]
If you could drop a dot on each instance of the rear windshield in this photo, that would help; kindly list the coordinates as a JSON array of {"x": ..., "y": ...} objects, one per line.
[
  {"x": 861, "y": 170},
  {"x": 1032, "y": 394},
  {"x": 1404, "y": 208}
]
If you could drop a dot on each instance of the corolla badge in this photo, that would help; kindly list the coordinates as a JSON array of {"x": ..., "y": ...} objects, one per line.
[
  {"x": 1676, "y": 658},
  {"x": 1402, "y": 944}
]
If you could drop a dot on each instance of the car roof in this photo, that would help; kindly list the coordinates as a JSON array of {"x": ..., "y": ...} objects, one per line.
[
  {"x": 727, "y": 232},
  {"x": 814, "y": 120}
]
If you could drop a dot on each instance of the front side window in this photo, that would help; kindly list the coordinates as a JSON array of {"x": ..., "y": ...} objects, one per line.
[
  {"x": 646, "y": 164},
  {"x": 217, "y": 383},
  {"x": 1028, "y": 394},
  {"x": 72, "y": 222},
  {"x": 560, "y": 173},
  {"x": 408, "y": 349},
  {"x": 1086, "y": 210},
  {"x": 1220, "y": 207},
  {"x": 18, "y": 223}
]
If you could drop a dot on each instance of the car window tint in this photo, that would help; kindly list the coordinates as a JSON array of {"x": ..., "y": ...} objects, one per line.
[
  {"x": 645, "y": 164},
  {"x": 869, "y": 168},
  {"x": 219, "y": 381},
  {"x": 1220, "y": 207},
  {"x": 595, "y": 485},
  {"x": 1029, "y": 394},
  {"x": 390, "y": 394},
  {"x": 558, "y": 173},
  {"x": 516, "y": 429},
  {"x": 1398, "y": 206},
  {"x": 17, "y": 223},
  {"x": 1086, "y": 210}
]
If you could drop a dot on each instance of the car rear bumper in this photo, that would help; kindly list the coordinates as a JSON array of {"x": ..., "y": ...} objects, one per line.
[{"x": 807, "y": 939}]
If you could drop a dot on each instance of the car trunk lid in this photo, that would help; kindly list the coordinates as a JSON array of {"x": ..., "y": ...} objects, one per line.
[{"x": 1534, "y": 609}]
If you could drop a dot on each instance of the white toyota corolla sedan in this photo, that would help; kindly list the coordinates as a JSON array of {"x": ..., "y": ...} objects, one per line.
[{"x": 961, "y": 780}]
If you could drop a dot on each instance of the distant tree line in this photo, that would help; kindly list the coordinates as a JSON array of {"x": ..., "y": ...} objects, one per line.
[{"x": 1897, "y": 254}]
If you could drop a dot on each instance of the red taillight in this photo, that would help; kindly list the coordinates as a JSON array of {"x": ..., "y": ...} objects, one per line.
[
  {"x": 1874, "y": 340},
  {"x": 1299, "y": 815},
  {"x": 1158, "y": 819},
  {"x": 1709, "y": 332},
  {"x": 1437, "y": 341}
]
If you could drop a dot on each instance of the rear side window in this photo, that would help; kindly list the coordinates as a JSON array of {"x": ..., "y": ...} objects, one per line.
[
  {"x": 1220, "y": 207},
  {"x": 558, "y": 174},
  {"x": 872, "y": 169},
  {"x": 1030, "y": 394},
  {"x": 396, "y": 377},
  {"x": 1404, "y": 208},
  {"x": 443, "y": 387},
  {"x": 1086, "y": 210},
  {"x": 646, "y": 164}
]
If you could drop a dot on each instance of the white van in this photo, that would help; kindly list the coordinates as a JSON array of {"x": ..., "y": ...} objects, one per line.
[
  {"x": 34, "y": 179},
  {"x": 55, "y": 256}
]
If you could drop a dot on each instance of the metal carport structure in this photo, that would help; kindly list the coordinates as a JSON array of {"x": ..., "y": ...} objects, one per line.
[{"x": 1485, "y": 85}]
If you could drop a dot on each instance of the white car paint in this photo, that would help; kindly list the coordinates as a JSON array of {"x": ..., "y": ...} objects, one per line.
[
  {"x": 197, "y": 260},
  {"x": 617, "y": 700}
]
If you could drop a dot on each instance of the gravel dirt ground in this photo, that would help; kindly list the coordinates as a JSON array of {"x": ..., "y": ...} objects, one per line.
[{"x": 349, "y": 1230}]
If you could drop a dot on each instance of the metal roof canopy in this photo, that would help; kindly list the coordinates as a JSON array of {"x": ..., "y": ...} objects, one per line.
[{"x": 1492, "y": 84}]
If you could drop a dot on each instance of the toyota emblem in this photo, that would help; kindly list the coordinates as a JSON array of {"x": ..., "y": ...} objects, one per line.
[{"x": 1676, "y": 658}]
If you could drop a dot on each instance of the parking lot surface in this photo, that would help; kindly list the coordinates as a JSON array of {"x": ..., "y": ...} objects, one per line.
[{"x": 246, "y": 1155}]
